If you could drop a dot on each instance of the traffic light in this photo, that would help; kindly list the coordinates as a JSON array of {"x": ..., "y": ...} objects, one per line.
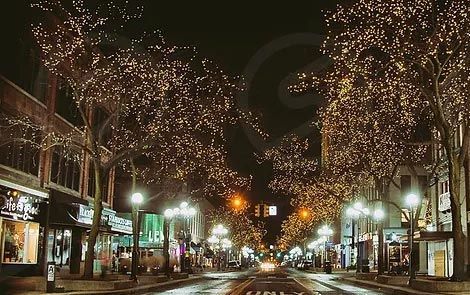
[
  {"x": 265, "y": 211},
  {"x": 257, "y": 210}
]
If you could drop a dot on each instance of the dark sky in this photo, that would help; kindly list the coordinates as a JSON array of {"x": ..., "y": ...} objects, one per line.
[{"x": 236, "y": 35}]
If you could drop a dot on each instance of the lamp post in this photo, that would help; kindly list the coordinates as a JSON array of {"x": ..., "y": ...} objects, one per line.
[
  {"x": 312, "y": 247},
  {"x": 412, "y": 201},
  {"x": 325, "y": 232},
  {"x": 355, "y": 212},
  {"x": 378, "y": 216},
  {"x": 185, "y": 212},
  {"x": 136, "y": 199},
  {"x": 218, "y": 232}
]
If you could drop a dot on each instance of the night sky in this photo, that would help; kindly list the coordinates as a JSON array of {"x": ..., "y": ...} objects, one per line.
[
  {"x": 236, "y": 34},
  {"x": 280, "y": 38}
]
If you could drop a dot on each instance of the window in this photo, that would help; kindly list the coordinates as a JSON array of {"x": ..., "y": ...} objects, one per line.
[
  {"x": 24, "y": 68},
  {"x": 92, "y": 186},
  {"x": 405, "y": 184},
  {"x": 20, "y": 242},
  {"x": 444, "y": 187},
  {"x": 21, "y": 153},
  {"x": 65, "y": 170},
  {"x": 65, "y": 104}
]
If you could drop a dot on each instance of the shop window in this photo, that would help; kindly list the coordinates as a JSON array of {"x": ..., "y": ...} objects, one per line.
[
  {"x": 20, "y": 242},
  {"x": 21, "y": 153},
  {"x": 65, "y": 170}
]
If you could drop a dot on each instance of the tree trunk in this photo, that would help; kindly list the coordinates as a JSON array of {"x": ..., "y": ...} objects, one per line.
[
  {"x": 454, "y": 189},
  {"x": 466, "y": 166},
  {"x": 95, "y": 226}
]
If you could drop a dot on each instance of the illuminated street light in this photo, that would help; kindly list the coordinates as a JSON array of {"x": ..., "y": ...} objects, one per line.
[
  {"x": 136, "y": 199},
  {"x": 304, "y": 213},
  {"x": 378, "y": 214},
  {"x": 183, "y": 211},
  {"x": 218, "y": 232},
  {"x": 412, "y": 201}
]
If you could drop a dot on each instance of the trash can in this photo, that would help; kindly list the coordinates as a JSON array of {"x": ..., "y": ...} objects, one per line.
[
  {"x": 327, "y": 267},
  {"x": 365, "y": 265}
]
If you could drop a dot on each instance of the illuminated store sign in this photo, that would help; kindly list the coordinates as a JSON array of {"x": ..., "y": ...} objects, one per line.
[
  {"x": 116, "y": 223},
  {"x": 18, "y": 205}
]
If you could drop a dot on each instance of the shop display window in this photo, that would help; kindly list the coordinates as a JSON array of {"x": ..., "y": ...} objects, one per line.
[{"x": 20, "y": 242}]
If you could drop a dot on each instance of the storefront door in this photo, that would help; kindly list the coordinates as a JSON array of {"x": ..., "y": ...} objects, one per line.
[{"x": 59, "y": 243}]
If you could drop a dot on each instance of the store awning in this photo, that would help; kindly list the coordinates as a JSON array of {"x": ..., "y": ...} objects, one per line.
[
  {"x": 64, "y": 208},
  {"x": 433, "y": 236}
]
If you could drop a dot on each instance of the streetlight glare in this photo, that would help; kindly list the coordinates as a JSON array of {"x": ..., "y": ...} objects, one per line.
[
  {"x": 358, "y": 206},
  {"x": 412, "y": 200},
  {"x": 192, "y": 211},
  {"x": 379, "y": 214},
  {"x": 137, "y": 198},
  {"x": 168, "y": 213},
  {"x": 183, "y": 205},
  {"x": 304, "y": 213}
]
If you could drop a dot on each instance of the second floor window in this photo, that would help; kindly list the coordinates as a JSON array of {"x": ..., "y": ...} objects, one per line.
[
  {"x": 65, "y": 170},
  {"x": 22, "y": 152},
  {"x": 92, "y": 183}
]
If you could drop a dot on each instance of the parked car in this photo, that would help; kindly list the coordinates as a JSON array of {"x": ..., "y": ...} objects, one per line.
[{"x": 233, "y": 265}]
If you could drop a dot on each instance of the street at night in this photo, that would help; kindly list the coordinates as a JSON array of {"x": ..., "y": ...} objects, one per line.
[
  {"x": 258, "y": 148},
  {"x": 282, "y": 282}
]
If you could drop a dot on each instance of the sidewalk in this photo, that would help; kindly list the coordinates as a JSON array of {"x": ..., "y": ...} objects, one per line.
[
  {"x": 134, "y": 290},
  {"x": 391, "y": 288}
]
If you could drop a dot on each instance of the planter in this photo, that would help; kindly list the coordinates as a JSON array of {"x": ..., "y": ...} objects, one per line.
[
  {"x": 435, "y": 285},
  {"x": 393, "y": 280}
]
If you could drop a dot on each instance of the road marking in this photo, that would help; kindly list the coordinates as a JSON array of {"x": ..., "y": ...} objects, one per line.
[
  {"x": 238, "y": 289},
  {"x": 273, "y": 293}
]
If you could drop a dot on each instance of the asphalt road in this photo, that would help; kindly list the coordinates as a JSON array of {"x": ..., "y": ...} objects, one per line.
[{"x": 278, "y": 282}]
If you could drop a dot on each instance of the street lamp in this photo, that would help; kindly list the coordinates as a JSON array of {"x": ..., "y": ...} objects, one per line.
[
  {"x": 186, "y": 212},
  {"x": 304, "y": 214},
  {"x": 378, "y": 217},
  {"x": 355, "y": 212},
  {"x": 325, "y": 232},
  {"x": 218, "y": 232},
  {"x": 136, "y": 199},
  {"x": 412, "y": 201},
  {"x": 312, "y": 247}
]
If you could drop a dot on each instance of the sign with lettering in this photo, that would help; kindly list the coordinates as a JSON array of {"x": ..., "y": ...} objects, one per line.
[
  {"x": 18, "y": 205},
  {"x": 444, "y": 202},
  {"x": 50, "y": 272},
  {"x": 116, "y": 223}
]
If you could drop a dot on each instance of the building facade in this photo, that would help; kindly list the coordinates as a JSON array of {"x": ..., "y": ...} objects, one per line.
[{"x": 46, "y": 197}]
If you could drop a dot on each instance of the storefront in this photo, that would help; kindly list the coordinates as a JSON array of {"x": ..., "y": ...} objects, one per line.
[
  {"x": 21, "y": 229},
  {"x": 68, "y": 233},
  {"x": 396, "y": 248},
  {"x": 439, "y": 252}
]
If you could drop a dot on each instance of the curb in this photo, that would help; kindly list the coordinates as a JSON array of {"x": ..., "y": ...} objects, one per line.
[
  {"x": 387, "y": 288},
  {"x": 135, "y": 290}
]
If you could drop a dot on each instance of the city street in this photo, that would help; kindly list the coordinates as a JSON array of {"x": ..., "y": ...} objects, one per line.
[
  {"x": 277, "y": 282},
  {"x": 161, "y": 147}
]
